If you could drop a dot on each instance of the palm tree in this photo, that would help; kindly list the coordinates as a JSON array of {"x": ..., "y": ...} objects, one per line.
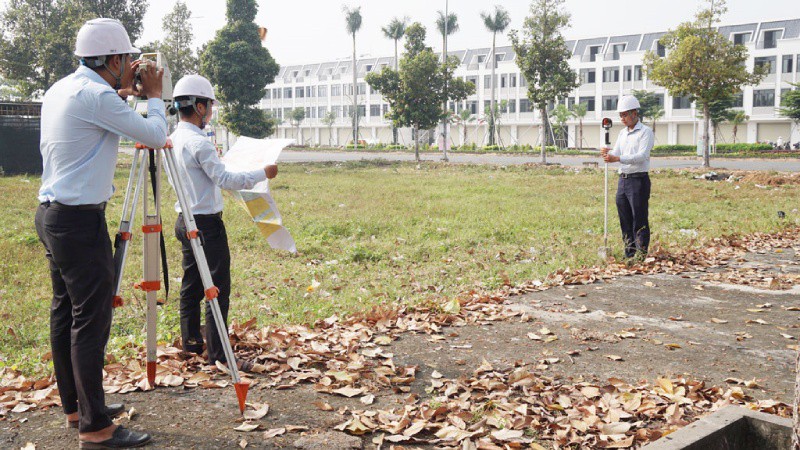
[
  {"x": 329, "y": 119},
  {"x": 353, "y": 20},
  {"x": 656, "y": 113},
  {"x": 395, "y": 31},
  {"x": 737, "y": 119},
  {"x": 561, "y": 115},
  {"x": 464, "y": 117},
  {"x": 496, "y": 23},
  {"x": 447, "y": 23},
  {"x": 579, "y": 112}
]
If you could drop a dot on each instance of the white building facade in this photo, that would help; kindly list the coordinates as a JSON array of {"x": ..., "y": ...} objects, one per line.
[{"x": 607, "y": 68}]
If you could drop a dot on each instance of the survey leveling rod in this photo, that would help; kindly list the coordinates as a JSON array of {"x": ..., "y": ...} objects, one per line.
[{"x": 604, "y": 251}]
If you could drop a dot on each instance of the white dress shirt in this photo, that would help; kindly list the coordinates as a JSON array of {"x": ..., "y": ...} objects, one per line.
[
  {"x": 82, "y": 120},
  {"x": 203, "y": 173},
  {"x": 633, "y": 148}
]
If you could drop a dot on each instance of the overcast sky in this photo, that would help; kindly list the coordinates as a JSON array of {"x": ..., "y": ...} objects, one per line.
[{"x": 308, "y": 31}]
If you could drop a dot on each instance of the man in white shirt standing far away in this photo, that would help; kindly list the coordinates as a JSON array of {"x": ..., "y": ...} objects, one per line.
[
  {"x": 83, "y": 116},
  {"x": 632, "y": 151},
  {"x": 203, "y": 176}
]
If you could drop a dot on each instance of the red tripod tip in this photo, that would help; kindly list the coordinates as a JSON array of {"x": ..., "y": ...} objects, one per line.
[
  {"x": 151, "y": 373},
  {"x": 241, "y": 394}
]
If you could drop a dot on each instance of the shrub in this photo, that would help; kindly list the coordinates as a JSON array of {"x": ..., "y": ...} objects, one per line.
[
  {"x": 491, "y": 148},
  {"x": 742, "y": 148}
]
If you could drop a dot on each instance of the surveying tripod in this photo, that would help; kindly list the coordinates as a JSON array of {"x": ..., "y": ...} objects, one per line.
[{"x": 152, "y": 229}]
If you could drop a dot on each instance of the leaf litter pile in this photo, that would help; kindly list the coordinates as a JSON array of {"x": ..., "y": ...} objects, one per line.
[{"x": 514, "y": 407}]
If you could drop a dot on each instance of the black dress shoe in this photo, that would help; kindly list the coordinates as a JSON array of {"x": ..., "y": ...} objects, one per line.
[
  {"x": 122, "y": 438},
  {"x": 112, "y": 410}
]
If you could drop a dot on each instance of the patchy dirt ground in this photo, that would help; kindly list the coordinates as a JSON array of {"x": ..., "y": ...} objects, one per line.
[{"x": 633, "y": 328}]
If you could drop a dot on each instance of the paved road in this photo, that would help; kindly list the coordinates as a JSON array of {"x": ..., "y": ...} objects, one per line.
[{"x": 785, "y": 165}]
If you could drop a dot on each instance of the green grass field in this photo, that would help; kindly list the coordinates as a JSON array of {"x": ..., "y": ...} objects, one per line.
[{"x": 374, "y": 233}]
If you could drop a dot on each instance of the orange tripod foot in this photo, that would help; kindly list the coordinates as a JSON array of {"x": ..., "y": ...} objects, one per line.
[{"x": 241, "y": 394}]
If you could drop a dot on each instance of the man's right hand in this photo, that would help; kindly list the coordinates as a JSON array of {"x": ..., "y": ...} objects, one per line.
[
  {"x": 271, "y": 171},
  {"x": 604, "y": 151},
  {"x": 152, "y": 80}
]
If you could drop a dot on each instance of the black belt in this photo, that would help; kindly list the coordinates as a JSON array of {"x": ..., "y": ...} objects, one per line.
[
  {"x": 218, "y": 215},
  {"x": 95, "y": 207},
  {"x": 633, "y": 175}
]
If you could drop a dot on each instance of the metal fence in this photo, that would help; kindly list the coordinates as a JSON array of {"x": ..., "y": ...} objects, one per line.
[{"x": 19, "y": 138}]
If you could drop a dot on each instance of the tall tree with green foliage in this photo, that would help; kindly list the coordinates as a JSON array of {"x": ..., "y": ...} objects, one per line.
[
  {"x": 579, "y": 112},
  {"x": 296, "y": 117},
  {"x": 177, "y": 44},
  {"x": 739, "y": 117},
  {"x": 543, "y": 58},
  {"x": 790, "y": 104},
  {"x": 415, "y": 93},
  {"x": 129, "y": 12},
  {"x": 395, "y": 31},
  {"x": 447, "y": 24},
  {"x": 495, "y": 23},
  {"x": 702, "y": 64},
  {"x": 37, "y": 44},
  {"x": 719, "y": 112},
  {"x": 240, "y": 68},
  {"x": 352, "y": 19},
  {"x": 329, "y": 119}
]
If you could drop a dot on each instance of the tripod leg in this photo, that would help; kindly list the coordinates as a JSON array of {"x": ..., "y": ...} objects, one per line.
[
  {"x": 211, "y": 291},
  {"x": 123, "y": 238}
]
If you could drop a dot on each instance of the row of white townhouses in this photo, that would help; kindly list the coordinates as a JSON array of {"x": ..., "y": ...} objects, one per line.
[{"x": 607, "y": 67}]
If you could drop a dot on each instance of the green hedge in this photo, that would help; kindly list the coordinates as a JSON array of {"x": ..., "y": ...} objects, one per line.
[{"x": 721, "y": 148}]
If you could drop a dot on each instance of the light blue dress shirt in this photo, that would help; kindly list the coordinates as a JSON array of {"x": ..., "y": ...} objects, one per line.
[
  {"x": 633, "y": 148},
  {"x": 82, "y": 120},
  {"x": 203, "y": 173}
]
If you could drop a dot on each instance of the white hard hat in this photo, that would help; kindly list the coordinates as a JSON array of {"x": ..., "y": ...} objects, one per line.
[
  {"x": 100, "y": 37},
  {"x": 627, "y": 103},
  {"x": 194, "y": 86}
]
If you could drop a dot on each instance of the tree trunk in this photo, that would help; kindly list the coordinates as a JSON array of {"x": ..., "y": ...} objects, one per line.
[
  {"x": 416, "y": 142},
  {"x": 543, "y": 113},
  {"x": 394, "y": 128},
  {"x": 796, "y": 404},
  {"x": 355, "y": 97},
  {"x": 735, "y": 129},
  {"x": 580, "y": 133},
  {"x": 494, "y": 112},
  {"x": 464, "y": 139},
  {"x": 706, "y": 156},
  {"x": 444, "y": 106}
]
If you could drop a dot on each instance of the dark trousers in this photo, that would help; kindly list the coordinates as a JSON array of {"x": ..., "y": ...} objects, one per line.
[
  {"x": 633, "y": 197},
  {"x": 78, "y": 249},
  {"x": 218, "y": 255}
]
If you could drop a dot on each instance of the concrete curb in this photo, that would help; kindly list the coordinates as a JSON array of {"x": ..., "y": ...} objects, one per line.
[{"x": 731, "y": 428}]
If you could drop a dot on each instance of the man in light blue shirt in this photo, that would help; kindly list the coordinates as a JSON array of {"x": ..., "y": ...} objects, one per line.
[
  {"x": 83, "y": 116},
  {"x": 632, "y": 151},
  {"x": 203, "y": 176}
]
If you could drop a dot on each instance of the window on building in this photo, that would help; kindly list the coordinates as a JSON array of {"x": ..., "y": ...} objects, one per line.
[
  {"x": 310, "y": 91},
  {"x": 660, "y": 99},
  {"x": 294, "y": 74},
  {"x": 362, "y": 110},
  {"x": 771, "y": 38},
  {"x": 267, "y": 94},
  {"x": 611, "y": 75},
  {"x": 588, "y": 101},
  {"x": 308, "y": 72},
  {"x": 627, "y": 73},
  {"x": 741, "y": 38},
  {"x": 587, "y": 76},
  {"x": 525, "y": 105},
  {"x": 369, "y": 67},
  {"x": 594, "y": 51},
  {"x": 738, "y": 100},
  {"x": 522, "y": 81},
  {"x": 487, "y": 81},
  {"x": 763, "y": 98},
  {"x": 512, "y": 106},
  {"x": 362, "y": 88},
  {"x": 487, "y": 105},
  {"x": 637, "y": 73},
  {"x": 309, "y": 113},
  {"x": 660, "y": 49},
  {"x": 286, "y": 112},
  {"x": 276, "y": 93},
  {"x": 474, "y": 81},
  {"x": 783, "y": 92},
  {"x": 787, "y": 64},
  {"x": 287, "y": 92},
  {"x": 322, "y": 111},
  {"x": 375, "y": 110},
  {"x": 681, "y": 103},
  {"x": 385, "y": 109},
  {"x": 503, "y": 80},
  {"x": 299, "y": 92},
  {"x": 481, "y": 59},
  {"x": 616, "y": 49},
  {"x": 322, "y": 91},
  {"x": 768, "y": 61},
  {"x": 512, "y": 80},
  {"x": 610, "y": 102},
  {"x": 797, "y": 68},
  {"x": 472, "y": 105},
  {"x": 336, "y": 90}
]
